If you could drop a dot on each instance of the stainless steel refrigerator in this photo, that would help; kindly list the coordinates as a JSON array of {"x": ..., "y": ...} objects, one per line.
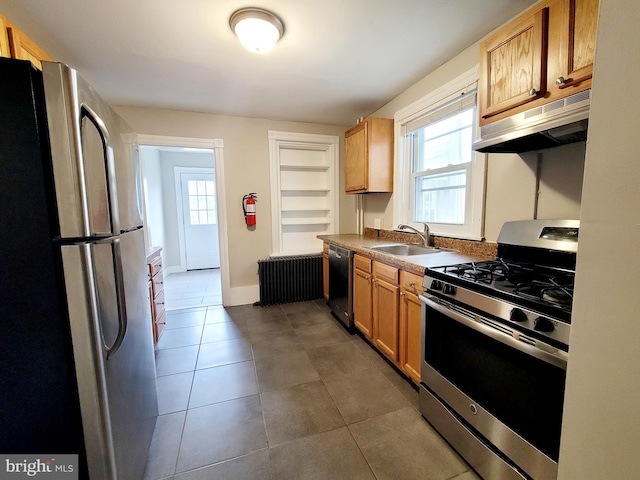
[{"x": 77, "y": 368}]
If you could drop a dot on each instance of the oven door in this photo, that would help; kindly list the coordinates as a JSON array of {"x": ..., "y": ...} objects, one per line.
[{"x": 505, "y": 389}]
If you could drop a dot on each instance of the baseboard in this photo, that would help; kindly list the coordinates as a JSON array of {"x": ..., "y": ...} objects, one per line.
[{"x": 241, "y": 295}]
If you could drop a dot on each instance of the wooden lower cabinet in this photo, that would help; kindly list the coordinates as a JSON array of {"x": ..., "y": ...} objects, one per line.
[
  {"x": 388, "y": 312},
  {"x": 386, "y": 318},
  {"x": 410, "y": 325},
  {"x": 362, "y": 295},
  {"x": 385, "y": 309},
  {"x": 156, "y": 293}
]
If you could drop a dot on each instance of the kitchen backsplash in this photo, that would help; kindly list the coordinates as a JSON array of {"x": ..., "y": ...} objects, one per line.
[{"x": 467, "y": 247}]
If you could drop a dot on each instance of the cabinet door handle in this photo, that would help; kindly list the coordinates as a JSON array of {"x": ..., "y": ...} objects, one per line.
[
  {"x": 533, "y": 92},
  {"x": 366, "y": 277},
  {"x": 402, "y": 294},
  {"x": 561, "y": 80},
  {"x": 412, "y": 284}
]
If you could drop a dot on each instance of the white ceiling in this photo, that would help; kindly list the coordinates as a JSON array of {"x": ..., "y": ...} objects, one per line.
[{"x": 338, "y": 59}]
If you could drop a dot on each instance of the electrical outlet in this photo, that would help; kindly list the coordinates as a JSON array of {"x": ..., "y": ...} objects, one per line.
[{"x": 377, "y": 223}]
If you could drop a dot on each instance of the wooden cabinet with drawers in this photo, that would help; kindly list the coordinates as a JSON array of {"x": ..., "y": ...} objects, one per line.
[{"x": 156, "y": 293}]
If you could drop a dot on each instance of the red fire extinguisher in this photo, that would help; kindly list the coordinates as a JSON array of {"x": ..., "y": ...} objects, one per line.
[{"x": 249, "y": 208}]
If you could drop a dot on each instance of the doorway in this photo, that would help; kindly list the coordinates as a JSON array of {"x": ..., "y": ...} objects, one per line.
[
  {"x": 197, "y": 200},
  {"x": 200, "y": 281}
]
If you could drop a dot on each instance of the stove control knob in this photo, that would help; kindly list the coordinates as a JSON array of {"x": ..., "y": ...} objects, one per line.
[
  {"x": 542, "y": 324},
  {"x": 436, "y": 285},
  {"x": 449, "y": 289},
  {"x": 517, "y": 315}
]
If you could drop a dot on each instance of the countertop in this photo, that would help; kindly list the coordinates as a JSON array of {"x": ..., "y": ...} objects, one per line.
[{"x": 414, "y": 263}]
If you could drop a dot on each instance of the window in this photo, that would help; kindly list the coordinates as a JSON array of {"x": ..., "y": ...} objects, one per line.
[
  {"x": 202, "y": 202},
  {"x": 441, "y": 178}
]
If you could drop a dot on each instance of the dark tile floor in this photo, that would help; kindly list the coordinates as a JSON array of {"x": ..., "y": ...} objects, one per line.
[{"x": 285, "y": 393}]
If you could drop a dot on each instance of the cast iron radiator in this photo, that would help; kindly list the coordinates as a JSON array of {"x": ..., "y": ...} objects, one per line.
[{"x": 290, "y": 279}]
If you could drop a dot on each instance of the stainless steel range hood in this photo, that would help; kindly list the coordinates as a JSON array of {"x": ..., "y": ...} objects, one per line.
[{"x": 556, "y": 123}]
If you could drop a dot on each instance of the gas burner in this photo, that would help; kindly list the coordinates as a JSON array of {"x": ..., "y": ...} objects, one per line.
[
  {"x": 474, "y": 273},
  {"x": 557, "y": 295}
]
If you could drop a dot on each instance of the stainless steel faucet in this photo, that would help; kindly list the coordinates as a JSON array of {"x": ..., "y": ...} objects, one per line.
[{"x": 424, "y": 235}]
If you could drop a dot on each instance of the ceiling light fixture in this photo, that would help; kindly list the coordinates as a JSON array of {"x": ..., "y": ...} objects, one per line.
[{"x": 258, "y": 30}]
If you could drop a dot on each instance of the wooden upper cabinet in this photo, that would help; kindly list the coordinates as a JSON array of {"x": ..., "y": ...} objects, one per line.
[
  {"x": 542, "y": 56},
  {"x": 572, "y": 42},
  {"x": 23, "y": 48},
  {"x": 512, "y": 64},
  {"x": 4, "y": 39},
  {"x": 369, "y": 156}
]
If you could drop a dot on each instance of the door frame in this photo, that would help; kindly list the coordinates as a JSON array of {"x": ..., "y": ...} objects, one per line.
[
  {"x": 182, "y": 244},
  {"x": 217, "y": 145}
]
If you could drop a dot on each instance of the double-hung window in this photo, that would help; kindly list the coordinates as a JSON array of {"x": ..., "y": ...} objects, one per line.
[{"x": 443, "y": 178}]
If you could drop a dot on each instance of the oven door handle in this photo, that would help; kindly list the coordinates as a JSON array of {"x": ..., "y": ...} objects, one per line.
[{"x": 553, "y": 356}]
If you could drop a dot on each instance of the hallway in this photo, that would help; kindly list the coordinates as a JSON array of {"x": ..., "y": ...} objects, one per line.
[{"x": 191, "y": 289}]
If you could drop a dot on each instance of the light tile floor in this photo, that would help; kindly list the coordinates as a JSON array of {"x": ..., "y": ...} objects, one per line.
[
  {"x": 195, "y": 288},
  {"x": 285, "y": 393}
]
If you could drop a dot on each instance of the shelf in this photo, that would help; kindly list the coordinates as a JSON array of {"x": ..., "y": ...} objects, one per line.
[
  {"x": 305, "y": 221},
  {"x": 305, "y": 190},
  {"x": 297, "y": 210},
  {"x": 312, "y": 168}
]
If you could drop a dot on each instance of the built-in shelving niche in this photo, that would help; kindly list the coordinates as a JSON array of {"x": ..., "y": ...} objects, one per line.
[{"x": 305, "y": 178}]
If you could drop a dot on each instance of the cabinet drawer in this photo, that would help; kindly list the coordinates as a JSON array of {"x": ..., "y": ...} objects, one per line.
[
  {"x": 155, "y": 266},
  {"x": 385, "y": 272},
  {"x": 159, "y": 312},
  {"x": 362, "y": 263},
  {"x": 157, "y": 283},
  {"x": 160, "y": 325},
  {"x": 410, "y": 282},
  {"x": 159, "y": 299}
]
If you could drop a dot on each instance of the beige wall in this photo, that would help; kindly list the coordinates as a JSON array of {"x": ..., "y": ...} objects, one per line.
[
  {"x": 601, "y": 425},
  {"x": 512, "y": 180},
  {"x": 246, "y": 169}
]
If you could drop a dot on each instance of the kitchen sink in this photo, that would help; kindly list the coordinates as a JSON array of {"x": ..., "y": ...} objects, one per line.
[{"x": 406, "y": 249}]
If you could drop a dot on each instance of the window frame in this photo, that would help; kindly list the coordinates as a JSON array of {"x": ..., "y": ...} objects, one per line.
[
  {"x": 206, "y": 196},
  {"x": 473, "y": 228}
]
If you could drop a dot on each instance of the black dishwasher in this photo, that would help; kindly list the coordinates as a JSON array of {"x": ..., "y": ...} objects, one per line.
[{"x": 341, "y": 284}]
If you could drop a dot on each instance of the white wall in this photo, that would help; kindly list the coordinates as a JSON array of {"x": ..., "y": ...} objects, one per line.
[
  {"x": 150, "y": 160},
  {"x": 601, "y": 425}
]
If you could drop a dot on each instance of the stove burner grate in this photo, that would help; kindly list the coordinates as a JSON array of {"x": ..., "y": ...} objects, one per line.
[{"x": 550, "y": 291}]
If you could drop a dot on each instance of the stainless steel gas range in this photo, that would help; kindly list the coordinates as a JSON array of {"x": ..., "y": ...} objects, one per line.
[{"x": 495, "y": 348}]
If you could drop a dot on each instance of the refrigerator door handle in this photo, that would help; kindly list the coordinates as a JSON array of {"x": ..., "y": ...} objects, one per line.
[
  {"x": 120, "y": 299},
  {"x": 112, "y": 193}
]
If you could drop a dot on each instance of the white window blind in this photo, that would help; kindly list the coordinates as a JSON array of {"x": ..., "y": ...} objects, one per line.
[{"x": 443, "y": 177}]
